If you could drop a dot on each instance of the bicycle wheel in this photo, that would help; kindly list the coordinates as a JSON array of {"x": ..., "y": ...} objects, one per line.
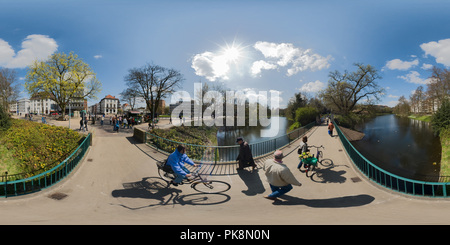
[
  {"x": 326, "y": 162},
  {"x": 211, "y": 186},
  {"x": 311, "y": 170},
  {"x": 165, "y": 175}
]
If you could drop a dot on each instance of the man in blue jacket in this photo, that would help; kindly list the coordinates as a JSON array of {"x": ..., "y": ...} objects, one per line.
[{"x": 176, "y": 161}]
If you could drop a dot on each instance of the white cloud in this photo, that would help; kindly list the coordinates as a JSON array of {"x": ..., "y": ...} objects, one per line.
[
  {"x": 427, "y": 66},
  {"x": 397, "y": 64},
  {"x": 313, "y": 87},
  {"x": 414, "y": 77},
  {"x": 286, "y": 54},
  {"x": 260, "y": 65},
  {"x": 439, "y": 50},
  {"x": 34, "y": 47},
  {"x": 211, "y": 66},
  {"x": 98, "y": 56},
  {"x": 218, "y": 65}
]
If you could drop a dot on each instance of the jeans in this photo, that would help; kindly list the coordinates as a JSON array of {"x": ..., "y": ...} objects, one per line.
[
  {"x": 180, "y": 177},
  {"x": 277, "y": 191}
]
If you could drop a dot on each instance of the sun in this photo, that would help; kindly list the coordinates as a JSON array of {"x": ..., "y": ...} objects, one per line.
[{"x": 231, "y": 54}]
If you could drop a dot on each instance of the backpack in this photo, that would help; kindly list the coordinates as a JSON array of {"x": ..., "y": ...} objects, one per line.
[{"x": 166, "y": 168}]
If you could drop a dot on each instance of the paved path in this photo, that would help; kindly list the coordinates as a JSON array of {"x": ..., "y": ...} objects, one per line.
[{"x": 117, "y": 183}]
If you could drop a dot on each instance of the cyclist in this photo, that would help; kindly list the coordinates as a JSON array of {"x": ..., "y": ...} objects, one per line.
[
  {"x": 303, "y": 148},
  {"x": 176, "y": 161}
]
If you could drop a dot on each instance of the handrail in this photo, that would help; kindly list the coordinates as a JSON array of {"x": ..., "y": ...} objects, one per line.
[
  {"x": 390, "y": 180},
  {"x": 225, "y": 154},
  {"x": 47, "y": 178}
]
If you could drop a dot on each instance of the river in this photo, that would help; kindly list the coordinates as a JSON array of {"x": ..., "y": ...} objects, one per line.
[
  {"x": 402, "y": 146},
  {"x": 277, "y": 128}
]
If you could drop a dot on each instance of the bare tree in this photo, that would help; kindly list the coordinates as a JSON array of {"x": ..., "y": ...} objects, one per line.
[
  {"x": 9, "y": 90},
  {"x": 344, "y": 91},
  {"x": 131, "y": 96},
  {"x": 152, "y": 83}
]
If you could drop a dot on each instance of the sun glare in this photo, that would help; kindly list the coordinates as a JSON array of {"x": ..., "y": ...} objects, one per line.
[{"x": 231, "y": 53}]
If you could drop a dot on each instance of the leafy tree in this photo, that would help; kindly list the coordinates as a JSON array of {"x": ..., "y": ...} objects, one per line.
[
  {"x": 62, "y": 77},
  {"x": 303, "y": 116},
  {"x": 441, "y": 119}
]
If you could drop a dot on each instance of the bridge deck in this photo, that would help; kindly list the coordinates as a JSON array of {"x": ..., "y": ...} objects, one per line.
[{"x": 117, "y": 183}]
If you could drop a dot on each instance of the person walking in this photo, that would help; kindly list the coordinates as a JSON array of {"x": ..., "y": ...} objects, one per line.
[
  {"x": 86, "y": 124},
  {"x": 279, "y": 176},
  {"x": 245, "y": 157},
  {"x": 330, "y": 129}
]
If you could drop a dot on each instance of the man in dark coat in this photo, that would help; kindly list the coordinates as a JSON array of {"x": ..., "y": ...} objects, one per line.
[{"x": 245, "y": 156}]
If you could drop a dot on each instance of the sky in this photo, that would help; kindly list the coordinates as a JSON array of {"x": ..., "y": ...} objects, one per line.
[{"x": 287, "y": 46}]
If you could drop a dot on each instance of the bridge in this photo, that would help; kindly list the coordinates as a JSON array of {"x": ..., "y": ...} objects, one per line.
[{"x": 118, "y": 183}]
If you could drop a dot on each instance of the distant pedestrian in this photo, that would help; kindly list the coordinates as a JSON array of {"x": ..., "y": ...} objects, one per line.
[
  {"x": 330, "y": 129},
  {"x": 86, "y": 123},
  {"x": 279, "y": 176},
  {"x": 125, "y": 122},
  {"x": 81, "y": 124},
  {"x": 245, "y": 157}
]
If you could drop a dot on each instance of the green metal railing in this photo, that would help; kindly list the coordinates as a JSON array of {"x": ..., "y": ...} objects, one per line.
[
  {"x": 389, "y": 180},
  {"x": 47, "y": 178},
  {"x": 224, "y": 154}
]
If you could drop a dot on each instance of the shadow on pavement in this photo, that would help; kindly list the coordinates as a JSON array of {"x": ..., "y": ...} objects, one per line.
[
  {"x": 155, "y": 188},
  {"x": 337, "y": 202}
]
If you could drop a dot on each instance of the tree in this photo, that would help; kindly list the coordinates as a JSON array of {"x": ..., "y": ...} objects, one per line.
[
  {"x": 344, "y": 91},
  {"x": 9, "y": 90},
  {"x": 152, "y": 83},
  {"x": 402, "y": 108},
  {"x": 418, "y": 100},
  {"x": 441, "y": 119},
  {"x": 5, "y": 121},
  {"x": 299, "y": 100},
  {"x": 439, "y": 87},
  {"x": 62, "y": 77},
  {"x": 130, "y": 95}
]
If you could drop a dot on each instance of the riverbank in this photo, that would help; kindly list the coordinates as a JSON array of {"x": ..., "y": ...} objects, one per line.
[{"x": 445, "y": 155}]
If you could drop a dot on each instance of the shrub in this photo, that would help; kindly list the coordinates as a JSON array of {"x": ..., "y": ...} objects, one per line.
[
  {"x": 5, "y": 121},
  {"x": 38, "y": 147},
  {"x": 303, "y": 116}
]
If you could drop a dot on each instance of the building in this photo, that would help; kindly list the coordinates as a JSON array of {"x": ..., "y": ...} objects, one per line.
[
  {"x": 42, "y": 105},
  {"x": 23, "y": 106},
  {"x": 108, "y": 105}
]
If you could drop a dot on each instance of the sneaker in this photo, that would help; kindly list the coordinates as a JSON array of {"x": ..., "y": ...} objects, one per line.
[
  {"x": 173, "y": 183},
  {"x": 271, "y": 198}
]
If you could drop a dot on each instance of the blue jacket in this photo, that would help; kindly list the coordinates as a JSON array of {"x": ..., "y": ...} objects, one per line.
[{"x": 176, "y": 160}]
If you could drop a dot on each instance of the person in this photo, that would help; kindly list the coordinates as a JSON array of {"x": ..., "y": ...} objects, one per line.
[
  {"x": 330, "y": 129},
  {"x": 279, "y": 176},
  {"x": 245, "y": 157},
  {"x": 86, "y": 123},
  {"x": 81, "y": 124},
  {"x": 125, "y": 122},
  {"x": 303, "y": 148},
  {"x": 176, "y": 161}
]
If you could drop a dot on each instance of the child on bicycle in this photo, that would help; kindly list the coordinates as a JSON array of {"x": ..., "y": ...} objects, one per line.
[
  {"x": 176, "y": 161},
  {"x": 303, "y": 149}
]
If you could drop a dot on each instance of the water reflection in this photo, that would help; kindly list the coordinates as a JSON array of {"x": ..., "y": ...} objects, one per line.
[
  {"x": 277, "y": 127},
  {"x": 402, "y": 146}
]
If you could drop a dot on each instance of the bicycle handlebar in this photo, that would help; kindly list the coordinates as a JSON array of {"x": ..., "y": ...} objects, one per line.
[{"x": 321, "y": 146}]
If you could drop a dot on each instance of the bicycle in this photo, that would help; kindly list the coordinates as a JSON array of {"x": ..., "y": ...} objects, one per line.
[
  {"x": 309, "y": 162},
  {"x": 198, "y": 182}
]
